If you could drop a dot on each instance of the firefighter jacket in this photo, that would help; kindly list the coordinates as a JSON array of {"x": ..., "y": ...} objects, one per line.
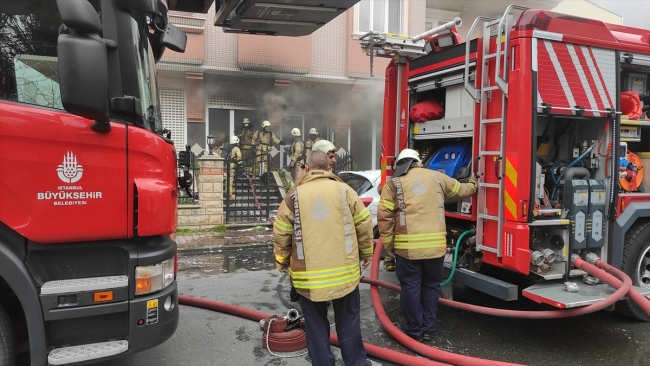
[
  {"x": 309, "y": 143},
  {"x": 246, "y": 138},
  {"x": 297, "y": 151},
  {"x": 411, "y": 212},
  {"x": 235, "y": 156},
  {"x": 264, "y": 140},
  {"x": 320, "y": 233}
]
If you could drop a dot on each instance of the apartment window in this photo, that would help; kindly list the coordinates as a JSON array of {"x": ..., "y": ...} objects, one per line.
[{"x": 380, "y": 16}]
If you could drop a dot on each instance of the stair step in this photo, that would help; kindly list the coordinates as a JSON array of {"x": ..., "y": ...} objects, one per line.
[{"x": 86, "y": 352}]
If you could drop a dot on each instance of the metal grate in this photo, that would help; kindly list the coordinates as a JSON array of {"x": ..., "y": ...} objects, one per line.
[
  {"x": 86, "y": 352},
  {"x": 174, "y": 116},
  {"x": 223, "y": 101}
]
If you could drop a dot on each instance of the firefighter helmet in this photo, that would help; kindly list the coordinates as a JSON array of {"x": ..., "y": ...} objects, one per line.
[
  {"x": 295, "y": 132},
  {"x": 324, "y": 146},
  {"x": 405, "y": 160},
  {"x": 313, "y": 131},
  {"x": 246, "y": 121},
  {"x": 266, "y": 124},
  {"x": 408, "y": 154},
  {"x": 234, "y": 140}
]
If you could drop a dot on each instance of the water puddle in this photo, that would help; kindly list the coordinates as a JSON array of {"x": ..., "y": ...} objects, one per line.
[{"x": 227, "y": 260}]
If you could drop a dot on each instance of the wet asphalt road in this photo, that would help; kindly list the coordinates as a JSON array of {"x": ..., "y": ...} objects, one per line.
[{"x": 246, "y": 277}]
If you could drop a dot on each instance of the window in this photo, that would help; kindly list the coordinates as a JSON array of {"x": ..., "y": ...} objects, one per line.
[
  {"x": 28, "y": 59},
  {"x": 380, "y": 16}
]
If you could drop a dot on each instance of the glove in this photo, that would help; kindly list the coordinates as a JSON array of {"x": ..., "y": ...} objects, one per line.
[{"x": 473, "y": 179}]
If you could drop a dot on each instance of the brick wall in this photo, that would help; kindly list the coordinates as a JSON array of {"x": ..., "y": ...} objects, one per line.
[{"x": 358, "y": 63}]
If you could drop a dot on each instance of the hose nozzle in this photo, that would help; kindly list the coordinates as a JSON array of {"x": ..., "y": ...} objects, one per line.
[{"x": 292, "y": 315}]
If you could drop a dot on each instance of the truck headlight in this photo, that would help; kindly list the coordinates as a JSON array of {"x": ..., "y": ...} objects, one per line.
[{"x": 154, "y": 278}]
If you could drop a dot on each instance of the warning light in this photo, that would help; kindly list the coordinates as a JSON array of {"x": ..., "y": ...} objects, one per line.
[
  {"x": 141, "y": 321},
  {"x": 103, "y": 296}
]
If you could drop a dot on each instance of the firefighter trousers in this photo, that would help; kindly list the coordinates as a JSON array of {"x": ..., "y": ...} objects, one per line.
[
  {"x": 420, "y": 281},
  {"x": 348, "y": 328}
]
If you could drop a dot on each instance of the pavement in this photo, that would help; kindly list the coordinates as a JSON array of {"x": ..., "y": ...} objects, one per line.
[{"x": 244, "y": 275}]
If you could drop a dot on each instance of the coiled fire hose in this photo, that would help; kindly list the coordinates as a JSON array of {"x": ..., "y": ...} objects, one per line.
[
  {"x": 623, "y": 286},
  {"x": 371, "y": 349}
]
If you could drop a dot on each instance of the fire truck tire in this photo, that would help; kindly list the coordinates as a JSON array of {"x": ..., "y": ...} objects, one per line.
[
  {"x": 7, "y": 343},
  {"x": 636, "y": 263}
]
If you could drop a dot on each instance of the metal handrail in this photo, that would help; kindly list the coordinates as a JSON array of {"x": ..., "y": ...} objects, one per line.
[
  {"x": 470, "y": 88},
  {"x": 503, "y": 82}
]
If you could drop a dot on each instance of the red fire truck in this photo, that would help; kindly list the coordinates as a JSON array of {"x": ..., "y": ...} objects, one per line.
[
  {"x": 549, "y": 109},
  {"x": 88, "y": 190}
]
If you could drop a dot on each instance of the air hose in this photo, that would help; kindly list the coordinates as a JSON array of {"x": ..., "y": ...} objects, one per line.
[
  {"x": 623, "y": 286},
  {"x": 557, "y": 180},
  {"x": 453, "y": 264},
  {"x": 371, "y": 349}
]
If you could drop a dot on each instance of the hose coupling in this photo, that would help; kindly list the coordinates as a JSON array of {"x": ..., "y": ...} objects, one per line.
[
  {"x": 591, "y": 258},
  {"x": 574, "y": 257},
  {"x": 536, "y": 258},
  {"x": 292, "y": 315}
]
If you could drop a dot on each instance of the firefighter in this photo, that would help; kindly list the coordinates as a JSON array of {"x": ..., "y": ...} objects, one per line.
[
  {"x": 246, "y": 143},
  {"x": 328, "y": 148},
  {"x": 313, "y": 137},
  {"x": 411, "y": 220},
  {"x": 235, "y": 167},
  {"x": 297, "y": 153},
  {"x": 264, "y": 140},
  {"x": 321, "y": 233}
]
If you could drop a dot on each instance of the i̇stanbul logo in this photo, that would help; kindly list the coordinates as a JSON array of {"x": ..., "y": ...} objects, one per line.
[{"x": 70, "y": 171}]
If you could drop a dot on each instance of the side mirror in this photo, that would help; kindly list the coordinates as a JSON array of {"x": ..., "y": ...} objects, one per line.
[
  {"x": 82, "y": 64},
  {"x": 174, "y": 38}
]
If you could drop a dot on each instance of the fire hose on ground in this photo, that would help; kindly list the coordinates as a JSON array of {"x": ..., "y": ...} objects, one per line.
[{"x": 617, "y": 279}]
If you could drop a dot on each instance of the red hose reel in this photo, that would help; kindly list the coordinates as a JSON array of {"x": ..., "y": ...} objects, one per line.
[{"x": 285, "y": 334}]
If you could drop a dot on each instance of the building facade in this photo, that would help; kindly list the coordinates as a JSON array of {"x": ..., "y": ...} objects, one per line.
[{"x": 320, "y": 81}]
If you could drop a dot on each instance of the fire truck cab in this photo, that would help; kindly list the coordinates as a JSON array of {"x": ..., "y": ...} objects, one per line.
[{"x": 552, "y": 112}]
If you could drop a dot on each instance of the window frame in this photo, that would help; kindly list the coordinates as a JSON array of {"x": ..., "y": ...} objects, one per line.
[{"x": 356, "y": 33}]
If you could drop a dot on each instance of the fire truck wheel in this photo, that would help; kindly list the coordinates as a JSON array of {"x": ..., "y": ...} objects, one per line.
[
  {"x": 636, "y": 263},
  {"x": 7, "y": 344}
]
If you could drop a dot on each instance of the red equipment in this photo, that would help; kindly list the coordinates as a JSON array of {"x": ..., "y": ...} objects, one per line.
[{"x": 534, "y": 100}]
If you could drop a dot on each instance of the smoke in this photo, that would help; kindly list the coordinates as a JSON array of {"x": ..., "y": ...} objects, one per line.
[{"x": 274, "y": 107}]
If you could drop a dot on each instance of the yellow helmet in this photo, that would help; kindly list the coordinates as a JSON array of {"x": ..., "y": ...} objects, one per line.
[
  {"x": 408, "y": 154},
  {"x": 313, "y": 131},
  {"x": 246, "y": 121},
  {"x": 295, "y": 132},
  {"x": 266, "y": 124}
]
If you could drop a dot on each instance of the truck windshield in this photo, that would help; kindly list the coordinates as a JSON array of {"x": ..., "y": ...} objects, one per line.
[{"x": 145, "y": 66}]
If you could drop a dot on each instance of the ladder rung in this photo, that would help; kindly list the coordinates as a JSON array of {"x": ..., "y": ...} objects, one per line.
[
  {"x": 492, "y": 120},
  {"x": 489, "y": 185},
  {"x": 486, "y": 248},
  {"x": 490, "y": 88},
  {"x": 488, "y": 217},
  {"x": 490, "y": 55},
  {"x": 484, "y": 153}
]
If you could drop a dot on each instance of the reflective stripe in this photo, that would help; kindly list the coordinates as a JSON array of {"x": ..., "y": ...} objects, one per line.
[
  {"x": 361, "y": 215},
  {"x": 367, "y": 251},
  {"x": 281, "y": 259},
  {"x": 311, "y": 285},
  {"x": 426, "y": 245},
  {"x": 455, "y": 190},
  {"x": 388, "y": 238},
  {"x": 324, "y": 272},
  {"x": 283, "y": 226},
  {"x": 434, "y": 235},
  {"x": 388, "y": 204}
]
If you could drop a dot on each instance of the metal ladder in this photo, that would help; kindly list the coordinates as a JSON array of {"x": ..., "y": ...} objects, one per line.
[{"x": 482, "y": 95}]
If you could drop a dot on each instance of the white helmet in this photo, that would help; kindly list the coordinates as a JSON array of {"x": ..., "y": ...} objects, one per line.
[
  {"x": 409, "y": 154},
  {"x": 324, "y": 146},
  {"x": 313, "y": 131},
  {"x": 246, "y": 121},
  {"x": 234, "y": 140},
  {"x": 266, "y": 124},
  {"x": 295, "y": 132}
]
